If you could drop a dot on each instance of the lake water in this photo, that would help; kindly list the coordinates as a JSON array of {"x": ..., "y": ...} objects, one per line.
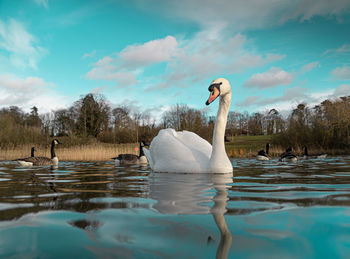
[{"x": 268, "y": 209}]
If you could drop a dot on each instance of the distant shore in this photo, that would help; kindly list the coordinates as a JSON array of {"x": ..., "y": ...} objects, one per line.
[
  {"x": 248, "y": 147},
  {"x": 238, "y": 147}
]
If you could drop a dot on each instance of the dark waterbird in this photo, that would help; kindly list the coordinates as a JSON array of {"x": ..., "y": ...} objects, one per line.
[
  {"x": 306, "y": 154},
  {"x": 132, "y": 159},
  {"x": 289, "y": 156},
  {"x": 40, "y": 160},
  {"x": 262, "y": 155}
]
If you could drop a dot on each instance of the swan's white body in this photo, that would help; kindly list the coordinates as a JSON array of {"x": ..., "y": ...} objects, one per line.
[{"x": 186, "y": 152}]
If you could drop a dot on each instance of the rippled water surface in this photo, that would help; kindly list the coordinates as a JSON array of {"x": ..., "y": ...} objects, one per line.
[{"x": 267, "y": 209}]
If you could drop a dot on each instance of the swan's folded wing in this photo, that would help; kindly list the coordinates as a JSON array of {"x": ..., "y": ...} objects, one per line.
[
  {"x": 193, "y": 141},
  {"x": 177, "y": 152}
]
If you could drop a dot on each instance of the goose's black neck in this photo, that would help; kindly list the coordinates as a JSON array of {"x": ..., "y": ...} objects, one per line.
[
  {"x": 305, "y": 151},
  {"x": 141, "y": 151},
  {"x": 53, "y": 149},
  {"x": 267, "y": 148},
  {"x": 32, "y": 152}
]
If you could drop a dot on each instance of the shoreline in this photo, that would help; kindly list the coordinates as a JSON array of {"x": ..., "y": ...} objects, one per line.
[{"x": 104, "y": 152}]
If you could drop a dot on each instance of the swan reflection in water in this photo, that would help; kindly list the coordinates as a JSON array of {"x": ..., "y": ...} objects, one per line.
[{"x": 185, "y": 194}]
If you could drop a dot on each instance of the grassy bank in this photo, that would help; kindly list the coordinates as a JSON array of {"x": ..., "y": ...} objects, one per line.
[{"x": 248, "y": 146}]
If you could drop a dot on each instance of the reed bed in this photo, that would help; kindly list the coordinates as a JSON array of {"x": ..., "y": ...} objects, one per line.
[
  {"x": 88, "y": 152},
  {"x": 104, "y": 152}
]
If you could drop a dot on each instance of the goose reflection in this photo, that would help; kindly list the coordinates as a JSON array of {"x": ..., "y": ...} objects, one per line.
[{"x": 188, "y": 194}]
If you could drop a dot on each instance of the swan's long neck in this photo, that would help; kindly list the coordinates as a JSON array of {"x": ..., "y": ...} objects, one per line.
[
  {"x": 220, "y": 125},
  {"x": 218, "y": 151}
]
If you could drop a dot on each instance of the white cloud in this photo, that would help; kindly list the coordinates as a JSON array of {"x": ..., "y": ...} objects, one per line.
[
  {"x": 205, "y": 55},
  {"x": 343, "y": 49},
  {"x": 89, "y": 55},
  {"x": 249, "y": 101},
  {"x": 208, "y": 54},
  {"x": 106, "y": 69},
  {"x": 308, "y": 67},
  {"x": 271, "y": 78},
  {"x": 99, "y": 89},
  {"x": 20, "y": 45},
  {"x": 342, "y": 72},
  {"x": 290, "y": 95},
  {"x": 242, "y": 14},
  {"x": 155, "y": 51},
  {"x": 27, "y": 92},
  {"x": 124, "y": 66},
  {"x": 294, "y": 96},
  {"x": 342, "y": 90}
]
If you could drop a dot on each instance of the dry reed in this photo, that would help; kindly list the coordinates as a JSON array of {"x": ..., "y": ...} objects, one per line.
[
  {"x": 92, "y": 152},
  {"x": 103, "y": 152}
]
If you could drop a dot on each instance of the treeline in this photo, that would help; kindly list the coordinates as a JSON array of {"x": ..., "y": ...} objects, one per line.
[
  {"x": 325, "y": 126},
  {"x": 91, "y": 118}
]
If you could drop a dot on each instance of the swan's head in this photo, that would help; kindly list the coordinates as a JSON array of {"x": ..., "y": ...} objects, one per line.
[{"x": 219, "y": 87}]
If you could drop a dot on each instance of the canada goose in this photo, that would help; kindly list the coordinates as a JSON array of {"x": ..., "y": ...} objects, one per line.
[
  {"x": 306, "y": 154},
  {"x": 262, "y": 155},
  {"x": 21, "y": 160},
  {"x": 40, "y": 160},
  {"x": 288, "y": 156},
  {"x": 131, "y": 159}
]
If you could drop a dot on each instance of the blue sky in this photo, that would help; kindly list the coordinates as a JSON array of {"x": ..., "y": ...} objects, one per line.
[{"x": 153, "y": 54}]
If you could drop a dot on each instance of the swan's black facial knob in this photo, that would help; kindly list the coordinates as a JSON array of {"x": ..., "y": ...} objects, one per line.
[{"x": 214, "y": 90}]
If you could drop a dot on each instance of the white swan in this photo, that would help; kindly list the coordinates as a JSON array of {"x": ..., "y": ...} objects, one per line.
[{"x": 186, "y": 152}]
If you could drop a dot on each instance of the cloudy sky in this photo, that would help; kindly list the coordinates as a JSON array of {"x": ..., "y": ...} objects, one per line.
[{"x": 153, "y": 54}]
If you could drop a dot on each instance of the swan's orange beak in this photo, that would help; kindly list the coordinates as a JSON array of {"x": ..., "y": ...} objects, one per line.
[{"x": 213, "y": 95}]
